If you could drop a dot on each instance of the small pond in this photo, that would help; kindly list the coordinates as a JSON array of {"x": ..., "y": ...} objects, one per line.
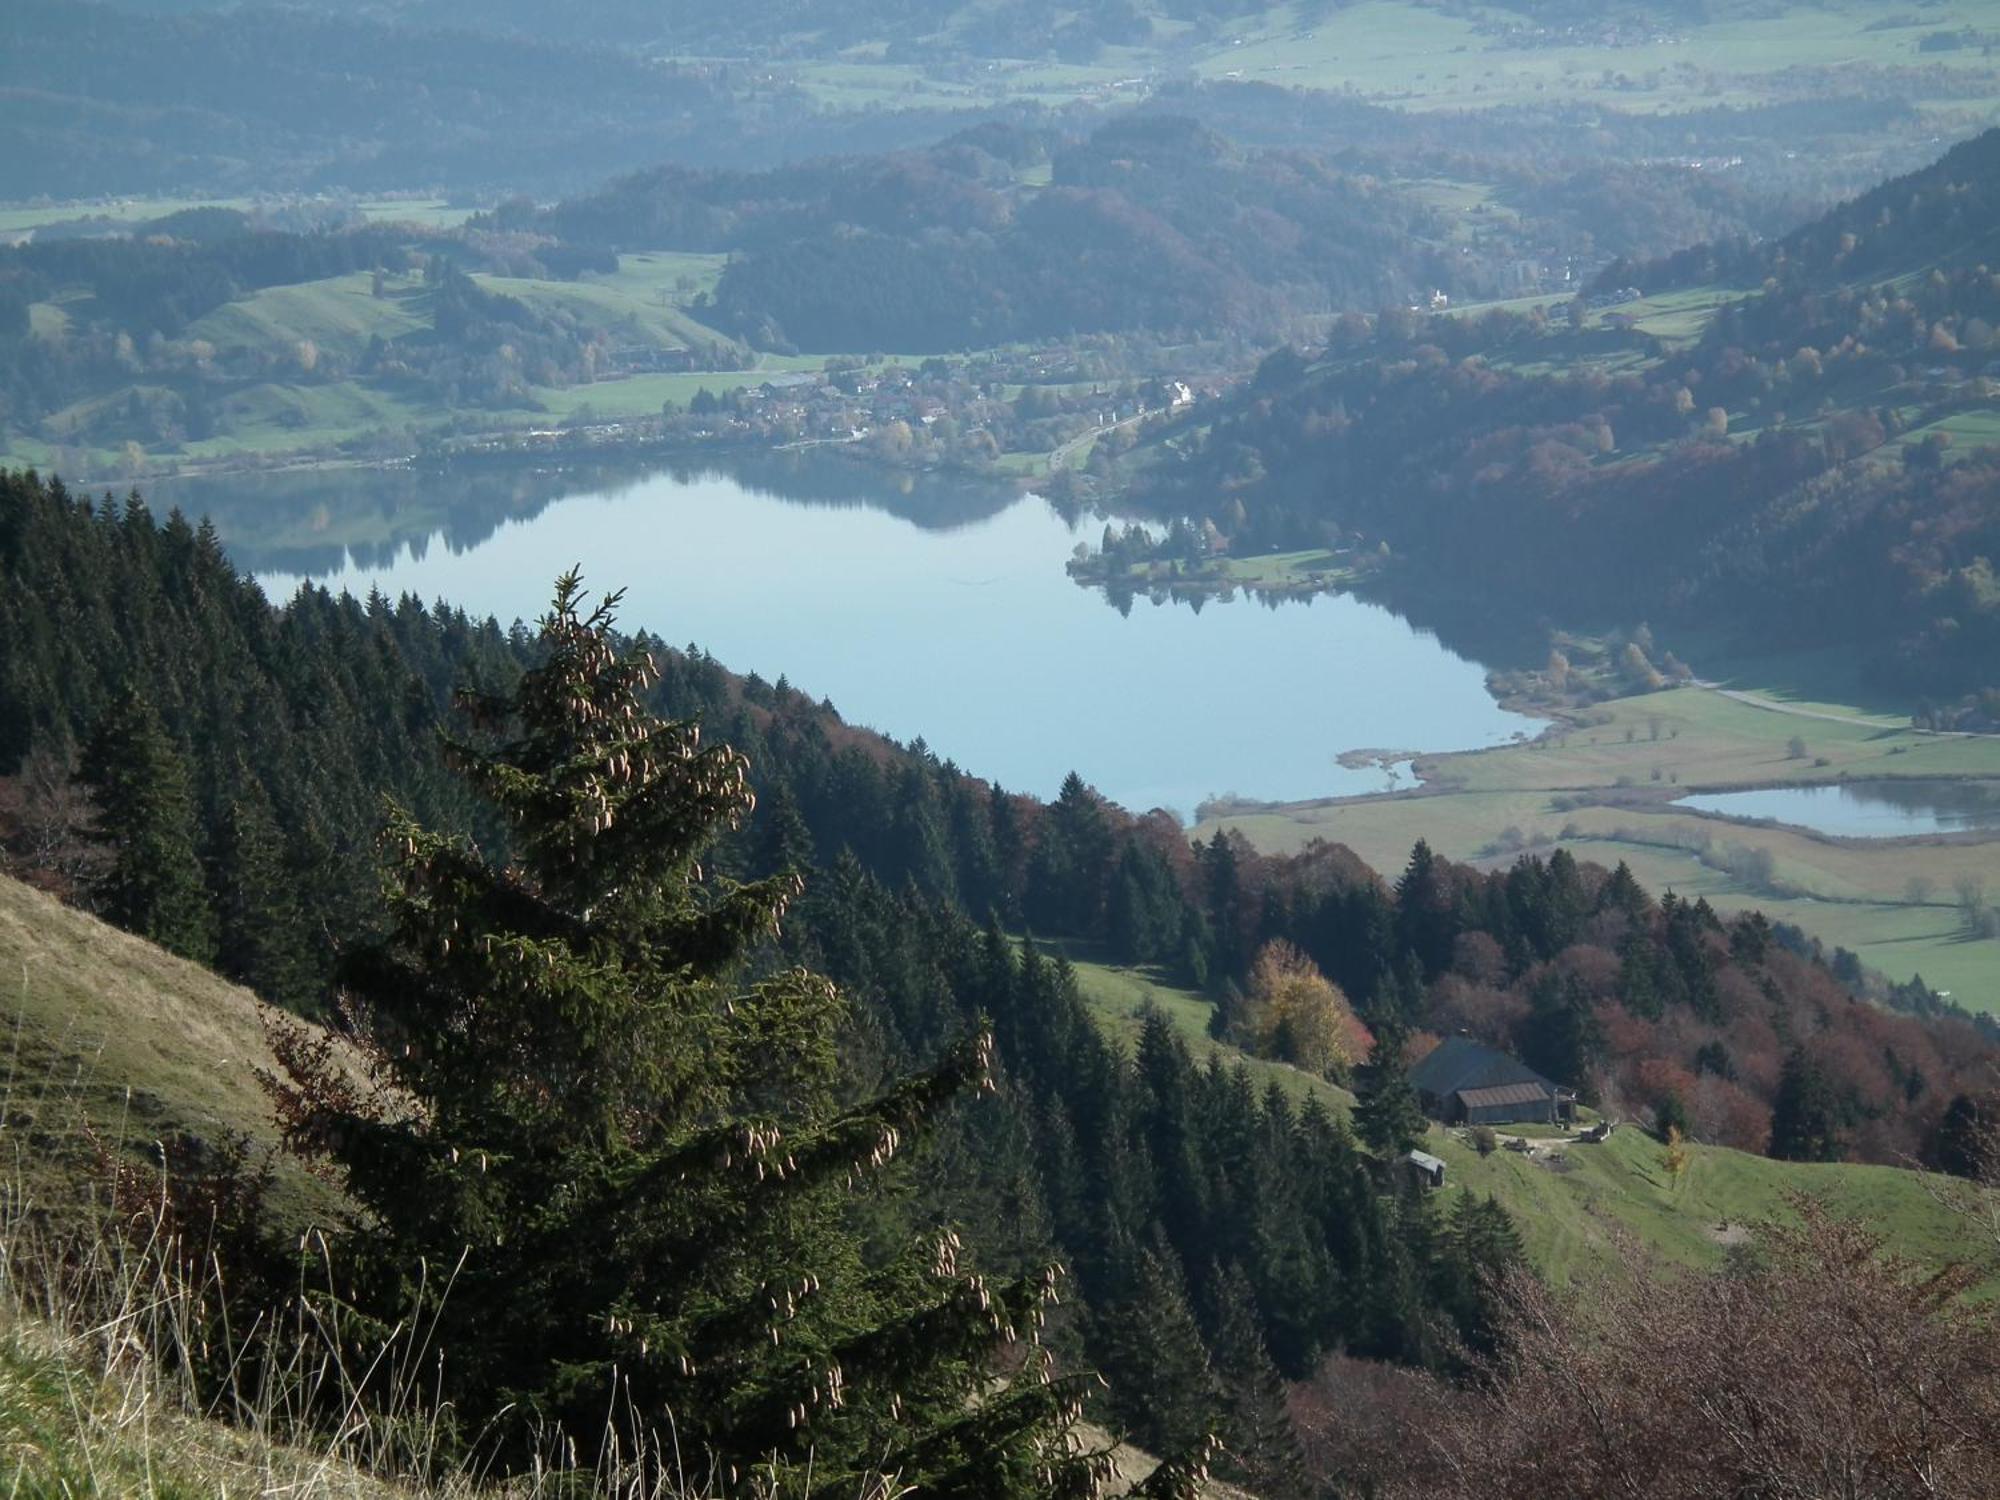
[{"x": 1865, "y": 809}]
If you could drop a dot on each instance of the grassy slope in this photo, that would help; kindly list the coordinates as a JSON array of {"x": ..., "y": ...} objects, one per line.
[
  {"x": 147, "y": 1044},
  {"x": 1850, "y": 893},
  {"x": 1573, "y": 1220},
  {"x": 141, "y": 1045},
  {"x": 70, "y": 1428},
  {"x": 340, "y": 315},
  {"x": 108, "y": 1031},
  {"x": 631, "y": 307}
]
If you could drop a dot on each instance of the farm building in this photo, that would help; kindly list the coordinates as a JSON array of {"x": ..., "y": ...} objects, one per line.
[
  {"x": 1425, "y": 1170},
  {"x": 1464, "y": 1082}
]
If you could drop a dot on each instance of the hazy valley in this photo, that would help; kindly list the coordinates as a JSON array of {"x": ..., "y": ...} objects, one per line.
[{"x": 1000, "y": 749}]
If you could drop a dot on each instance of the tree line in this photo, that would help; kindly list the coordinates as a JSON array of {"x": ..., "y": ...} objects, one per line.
[{"x": 1206, "y": 1267}]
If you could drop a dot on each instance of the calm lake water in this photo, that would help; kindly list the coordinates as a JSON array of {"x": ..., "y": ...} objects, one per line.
[
  {"x": 918, "y": 607},
  {"x": 1866, "y": 809}
]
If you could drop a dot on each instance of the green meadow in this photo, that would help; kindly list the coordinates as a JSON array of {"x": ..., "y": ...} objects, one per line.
[
  {"x": 1583, "y": 1209},
  {"x": 1604, "y": 788}
]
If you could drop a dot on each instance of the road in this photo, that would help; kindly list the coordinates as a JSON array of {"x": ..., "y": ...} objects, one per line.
[
  {"x": 1859, "y": 721},
  {"x": 1059, "y": 456}
]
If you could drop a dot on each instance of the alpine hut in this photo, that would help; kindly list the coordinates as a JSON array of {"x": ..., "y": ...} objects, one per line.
[{"x": 1463, "y": 1082}]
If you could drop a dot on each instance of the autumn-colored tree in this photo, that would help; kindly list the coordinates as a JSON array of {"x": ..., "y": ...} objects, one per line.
[
  {"x": 1297, "y": 1014},
  {"x": 1675, "y": 1157}
]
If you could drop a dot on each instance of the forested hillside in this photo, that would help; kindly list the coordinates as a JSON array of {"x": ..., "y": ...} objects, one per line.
[
  {"x": 1638, "y": 1002},
  {"x": 204, "y": 769},
  {"x": 1155, "y": 223},
  {"x": 1815, "y": 466},
  {"x": 1073, "y": 1165},
  {"x": 221, "y": 332}
]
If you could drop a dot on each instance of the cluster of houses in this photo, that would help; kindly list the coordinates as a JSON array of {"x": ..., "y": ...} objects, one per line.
[{"x": 849, "y": 405}]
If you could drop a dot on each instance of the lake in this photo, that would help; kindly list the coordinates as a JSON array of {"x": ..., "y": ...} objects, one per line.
[
  {"x": 918, "y": 606},
  {"x": 1866, "y": 809}
]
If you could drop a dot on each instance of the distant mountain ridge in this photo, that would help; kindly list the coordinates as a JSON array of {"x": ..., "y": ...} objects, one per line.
[
  {"x": 1815, "y": 465},
  {"x": 1942, "y": 216}
]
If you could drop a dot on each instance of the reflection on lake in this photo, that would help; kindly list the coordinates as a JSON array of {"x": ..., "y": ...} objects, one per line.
[
  {"x": 920, "y": 606},
  {"x": 1866, "y": 809}
]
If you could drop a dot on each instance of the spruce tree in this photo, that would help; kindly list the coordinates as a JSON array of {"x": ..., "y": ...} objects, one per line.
[
  {"x": 1425, "y": 922},
  {"x": 261, "y": 931},
  {"x": 1964, "y": 1144},
  {"x": 784, "y": 842},
  {"x": 631, "y": 1151},
  {"x": 1803, "y": 1125},
  {"x": 1389, "y": 1117},
  {"x": 1261, "y": 1446},
  {"x": 145, "y": 815},
  {"x": 1071, "y": 863},
  {"x": 1562, "y": 1037},
  {"x": 1161, "y": 1388}
]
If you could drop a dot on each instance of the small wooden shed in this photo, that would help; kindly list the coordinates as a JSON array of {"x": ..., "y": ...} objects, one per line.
[{"x": 1428, "y": 1170}]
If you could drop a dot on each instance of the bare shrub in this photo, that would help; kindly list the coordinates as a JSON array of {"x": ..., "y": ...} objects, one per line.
[{"x": 1815, "y": 1364}]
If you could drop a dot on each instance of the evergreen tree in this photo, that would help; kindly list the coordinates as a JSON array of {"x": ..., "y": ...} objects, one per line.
[
  {"x": 1964, "y": 1142},
  {"x": 1688, "y": 925},
  {"x": 145, "y": 814},
  {"x": 785, "y": 843},
  {"x": 1010, "y": 852},
  {"x": 1071, "y": 864},
  {"x": 1143, "y": 911},
  {"x": 1389, "y": 1117},
  {"x": 1222, "y": 891},
  {"x": 633, "y": 1149},
  {"x": 1481, "y": 1247},
  {"x": 260, "y": 942},
  {"x": 1425, "y": 921},
  {"x": 1161, "y": 1388},
  {"x": 1563, "y": 1037},
  {"x": 1622, "y": 892},
  {"x": 1257, "y": 1436},
  {"x": 1803, "y": 1124}
]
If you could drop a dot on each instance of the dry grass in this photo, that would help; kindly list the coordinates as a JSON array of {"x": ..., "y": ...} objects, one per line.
[
  {"x": 105, "y": 1312},
  {"x": 112, "y": 1049},
  {"x": 107, "y": 1042}
]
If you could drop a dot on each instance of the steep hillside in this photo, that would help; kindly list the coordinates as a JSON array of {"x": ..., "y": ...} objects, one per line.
[
  {"x": 1581, "y": 1209},
  {"x": 152, "y": 1048},
  {"x": 112, "y": 1041},
  {"x": 1941, "y": 217},
  {"x": 1803, "y": 457}
]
